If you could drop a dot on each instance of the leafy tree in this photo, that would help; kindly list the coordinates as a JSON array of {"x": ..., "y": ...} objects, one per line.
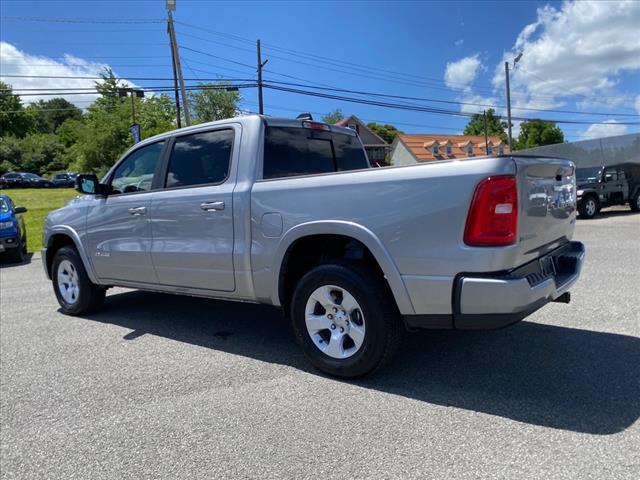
[
  {"x": 494, "y": 125},
  {"x": 10, "y": 154},
  {"x": 156, "y": 115},
  {"x": 535, "y": 133},
  {"x": 333, "y": 117},
  {"x": 211, "y": 102},
  {"x": 14, "y": 118},
  {"x": 386, "y": 132},
  {"x": 49, "y": 115},
  {"x": 109, "y": 90}
]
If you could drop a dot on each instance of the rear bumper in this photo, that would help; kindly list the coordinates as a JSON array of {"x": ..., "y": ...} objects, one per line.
[{"x": 495, "y": 300}]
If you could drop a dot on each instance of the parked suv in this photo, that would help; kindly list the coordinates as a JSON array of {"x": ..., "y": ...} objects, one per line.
[
  {"x": 604, "y": 186},
  {"x": 290, "y": 213},
  {"x": 13, "y": 233}
]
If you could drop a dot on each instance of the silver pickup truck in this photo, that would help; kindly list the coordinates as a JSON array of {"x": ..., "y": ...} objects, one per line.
[{"x": 289, "y": 213}]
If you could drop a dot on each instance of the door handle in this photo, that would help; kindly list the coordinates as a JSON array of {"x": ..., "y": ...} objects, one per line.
[
  {"x": 212, "y": 206},
  {"x": 138, "y": 210}
]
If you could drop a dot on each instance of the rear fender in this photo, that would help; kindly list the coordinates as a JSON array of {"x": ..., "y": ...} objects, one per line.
[{"x": 357, "y": 232}]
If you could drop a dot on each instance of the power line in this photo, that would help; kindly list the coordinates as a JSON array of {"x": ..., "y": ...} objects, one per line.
[
  {"x": 421, "y": 109},
  {"x": 451, "y": 102},
  {"x": 84, "y": 20}
]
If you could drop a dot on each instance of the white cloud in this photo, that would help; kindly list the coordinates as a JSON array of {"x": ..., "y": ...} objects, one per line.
[
  {"x": 462, "y": 73},
  {"x": 579, "y": 49},
  {"x": 608, "y": 128},
  {"x": 637, "y": 104},
  {"x": 16, "y": 62},
  {"x": 458, "y": 43}
]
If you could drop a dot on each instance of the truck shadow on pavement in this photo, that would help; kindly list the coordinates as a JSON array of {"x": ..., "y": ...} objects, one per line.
[{"x": 544, "y": 375}]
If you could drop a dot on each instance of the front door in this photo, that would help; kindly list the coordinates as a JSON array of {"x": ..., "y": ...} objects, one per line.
[
  {"x": 192, "y": 216},
  {"x": 118, "y": 227}
]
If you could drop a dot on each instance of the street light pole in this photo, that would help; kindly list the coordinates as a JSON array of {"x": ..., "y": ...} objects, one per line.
[
  {"x": 506, "y": 72},
  {"x": 486, "y": 138}
]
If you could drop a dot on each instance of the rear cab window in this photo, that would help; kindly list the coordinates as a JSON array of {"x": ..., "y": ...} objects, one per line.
[{"x": 295, "y": 151}]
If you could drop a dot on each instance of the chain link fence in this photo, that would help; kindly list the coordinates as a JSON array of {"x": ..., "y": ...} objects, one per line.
[{"x": 593, "y": 153}]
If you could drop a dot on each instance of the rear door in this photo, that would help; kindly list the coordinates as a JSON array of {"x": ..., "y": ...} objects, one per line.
[{"x": 192, "y": 216}]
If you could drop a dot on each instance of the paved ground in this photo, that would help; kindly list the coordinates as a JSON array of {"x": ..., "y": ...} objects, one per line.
[{"x": 172, "y": 387}]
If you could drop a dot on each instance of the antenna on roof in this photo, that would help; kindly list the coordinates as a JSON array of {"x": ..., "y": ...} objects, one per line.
[{"x": 304, "y": 116}]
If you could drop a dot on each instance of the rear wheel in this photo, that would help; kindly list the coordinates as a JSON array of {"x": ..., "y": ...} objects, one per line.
[
  {"x": 634, "y": 203},
  {"x": 76, "y": 294},
  {"x": 345, "y": 319},
  {"x": 589, "y": 207}
]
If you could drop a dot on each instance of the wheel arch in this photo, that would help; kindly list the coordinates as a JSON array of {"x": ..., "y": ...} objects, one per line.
[
  {"x": 347, "y": 231},
  {"x": 65, "y": 236}
]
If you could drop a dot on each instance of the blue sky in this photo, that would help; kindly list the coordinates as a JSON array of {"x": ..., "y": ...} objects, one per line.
[{"x": 577, "y": 57}]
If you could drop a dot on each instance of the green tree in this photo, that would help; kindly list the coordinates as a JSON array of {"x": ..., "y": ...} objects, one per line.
[
  {"x": 212, "y": 102},
  {"x": 535, "y": 133},
  {"x": 495, "y": 127},
  {"x": 14, "y": 118},
  {"x": 333, "y": 116},
  {"x": 49, "y": 115},
  {"x": 386, "y": 132},
  {"x": 10, "y": 154},
  {"x": 156, "y": 115}
]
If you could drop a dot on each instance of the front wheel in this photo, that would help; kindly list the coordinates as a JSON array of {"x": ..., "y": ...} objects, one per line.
[
  {"x": 345, "y": 319},
  {"x": 76, "y": 294},
  {"x": 588, "y": 208},
  {"x": 635, "y": 202}
]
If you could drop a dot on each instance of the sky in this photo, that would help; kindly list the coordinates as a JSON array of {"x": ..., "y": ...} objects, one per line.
[{"x": 582, "y": 58}]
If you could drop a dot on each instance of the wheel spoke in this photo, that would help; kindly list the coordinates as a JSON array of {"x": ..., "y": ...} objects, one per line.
[
  {"x": 357, "y": 335},
  {"x": 335, "y": 349},
  {"x": 323, "y": 296},
  {"x": 348, "y": 302},
  {"x": 316, "y": 323}
]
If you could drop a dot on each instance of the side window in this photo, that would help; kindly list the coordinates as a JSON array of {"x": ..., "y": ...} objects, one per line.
[
  {"x": 136, "y": 172},
  {"x": 622, "y": 175},
  {"x": 291, "y": 151},
  {"x": 200, "y": 159}
]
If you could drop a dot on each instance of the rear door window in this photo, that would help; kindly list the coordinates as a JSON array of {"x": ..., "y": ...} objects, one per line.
[
  {"x": 200, "y": 159},
  {"x": 292, "y": 151}
]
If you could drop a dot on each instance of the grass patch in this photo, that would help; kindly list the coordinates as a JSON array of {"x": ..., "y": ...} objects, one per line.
[{"x": 39, "y": 202}]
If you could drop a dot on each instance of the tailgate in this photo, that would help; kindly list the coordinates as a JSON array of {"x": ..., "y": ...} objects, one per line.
[{"x": 547, "y": 204}]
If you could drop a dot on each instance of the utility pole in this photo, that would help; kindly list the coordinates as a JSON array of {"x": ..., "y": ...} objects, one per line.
[
  {"x": 261, "y": 64},
  {"x": 486, "y": 138},
  {"x": 506, "y": 72},
  {"x": 171, "y": 5},
  {"x": 175, "y": 90}
]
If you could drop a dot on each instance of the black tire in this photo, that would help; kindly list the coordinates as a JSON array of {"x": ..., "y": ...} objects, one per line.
[
  {"x": 383, "y": 331},
  {"x": 634, "y": 203},
  {"x": 15, "y": 255},
  {"x": 90, "y": 297},
  {"x": 24, "y": 245},
  {"x": 589, "y": 207}
]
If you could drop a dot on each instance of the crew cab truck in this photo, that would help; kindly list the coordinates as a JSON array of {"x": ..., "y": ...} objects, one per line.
[
  {"x": 605, "y": 186},
  {"x": 289, "y": 213}
]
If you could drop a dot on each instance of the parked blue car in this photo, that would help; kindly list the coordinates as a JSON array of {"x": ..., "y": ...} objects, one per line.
[{"x": 13, "y": 234}]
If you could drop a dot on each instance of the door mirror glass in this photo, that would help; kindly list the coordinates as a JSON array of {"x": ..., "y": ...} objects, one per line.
[
  {"x": 20, "y": 210},
  {"x": 88, "y": 184}
]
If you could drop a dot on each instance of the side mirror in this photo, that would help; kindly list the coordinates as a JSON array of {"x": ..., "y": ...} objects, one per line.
[
  {"x": 89, "y": 184},
  {"x": 20, "y": 210}
]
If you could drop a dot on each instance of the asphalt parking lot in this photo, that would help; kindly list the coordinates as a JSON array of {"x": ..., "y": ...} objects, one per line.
[{"x": 159, "y": 386}]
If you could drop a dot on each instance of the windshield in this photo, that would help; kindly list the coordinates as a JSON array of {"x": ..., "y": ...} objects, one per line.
[
  {"x": 61, "y": 176},
  {"x": 30, "y": 175},
  {"x": 588, "y": 174},
  {"x": 4, "y": 206}
]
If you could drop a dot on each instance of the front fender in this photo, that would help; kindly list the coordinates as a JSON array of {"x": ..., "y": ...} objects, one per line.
[
  {"x": 68, "y": 231},
  {"x": 347, "y": 229}
]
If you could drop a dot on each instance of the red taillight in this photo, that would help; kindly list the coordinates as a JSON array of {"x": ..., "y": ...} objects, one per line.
[{"x": 493, "y": 215}]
